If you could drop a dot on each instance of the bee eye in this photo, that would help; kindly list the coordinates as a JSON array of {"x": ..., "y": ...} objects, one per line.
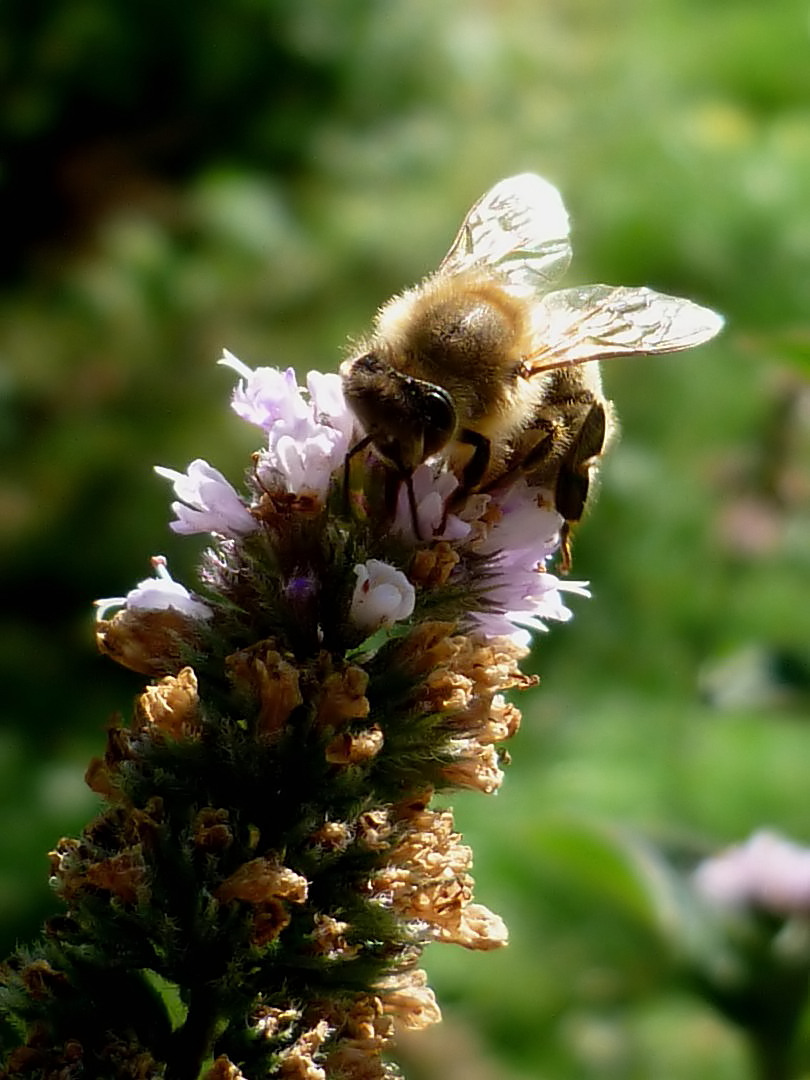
[
  {"x": 439, "y": 419},
  {"x": 369, "y": 362}
]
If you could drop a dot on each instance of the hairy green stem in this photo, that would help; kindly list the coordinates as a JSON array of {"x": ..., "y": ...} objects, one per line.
[{"x": 192, "y": 1043}]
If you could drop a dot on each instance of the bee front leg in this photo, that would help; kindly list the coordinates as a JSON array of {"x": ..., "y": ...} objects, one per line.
[{"x": 474, "y": 471}]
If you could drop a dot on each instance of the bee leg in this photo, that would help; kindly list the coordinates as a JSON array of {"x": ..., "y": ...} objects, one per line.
[
  {"x": 522, "y": 464},
  {"x": 476, "y": 467},
  {"x": 573, "y": 478},
  {"x": 539, "y": 453},
  {"x": 394, "y": 479},
  {"x": 407, "y": 480},
  {"x": 565, "y": 548},
  {"x": 471, "y": 474}
]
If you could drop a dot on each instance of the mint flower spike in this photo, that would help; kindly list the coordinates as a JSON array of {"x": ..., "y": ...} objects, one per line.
[{"x": 268, "y": 848}]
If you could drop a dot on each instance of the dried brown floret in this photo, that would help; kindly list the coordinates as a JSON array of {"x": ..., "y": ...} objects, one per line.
[
  {"x": 172, "y": 705},
  {"x": 262, "y": 880},
  {"x": 297, "y": 1063},
  {"x": 431, "y": 567},
  {"x": 476, "y": 768},
  {"x": 212, "y": 831},
  {"x": 272, "y": 681},
  {"x": 149, "y": 642},
  {"x": 410, "y": 1001},
  {"x": 223, "y": 1069},
  {"x": 354, "y": 749},
  {"x": 342, "y": 697},
  {"x": 333, "y": 836},
  {"x": 329, "y": 938},
  {"x": 124, "y": 875}
]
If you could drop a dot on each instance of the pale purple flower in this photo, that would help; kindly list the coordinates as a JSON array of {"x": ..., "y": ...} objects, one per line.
[
  {"x": 768, "y": 872},
  {"x": 303, "y": 465},
  {"x": 309, "y": 432},
  {"x": 328, "y": 403},
  {"x": 267, "y": 396},
  {"x": 207, "y": 502},
  {"x": 159, "y": 593},
  {"x": 382, "y": 596},
  {"x": 519, "y": 543},
  {"x": 432, "y": 488}
]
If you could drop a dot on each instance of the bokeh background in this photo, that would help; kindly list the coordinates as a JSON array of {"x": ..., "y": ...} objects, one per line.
[{"x": 175, "y": 178}]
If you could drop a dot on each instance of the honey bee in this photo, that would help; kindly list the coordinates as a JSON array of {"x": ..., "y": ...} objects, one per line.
[{"x": 483, "y": 364}]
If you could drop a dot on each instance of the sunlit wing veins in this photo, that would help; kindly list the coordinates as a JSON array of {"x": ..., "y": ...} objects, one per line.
[
  {"x": 520, "y": 227},
  {"x": 595, "y": 322}
]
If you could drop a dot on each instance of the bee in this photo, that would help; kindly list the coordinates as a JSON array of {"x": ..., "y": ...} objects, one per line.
[{"x": 484, "y": 364}]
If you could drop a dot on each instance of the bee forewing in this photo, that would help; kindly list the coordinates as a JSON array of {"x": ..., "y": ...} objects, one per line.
[
  {"x": 519, "y": 226},
  {"x": 595, "y": 322}
]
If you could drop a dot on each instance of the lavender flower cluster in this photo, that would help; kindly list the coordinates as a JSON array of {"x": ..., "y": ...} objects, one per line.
[{"x": 309, "y": 431}]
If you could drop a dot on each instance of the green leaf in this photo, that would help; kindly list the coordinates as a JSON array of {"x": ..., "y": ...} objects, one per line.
[{"x": 170, "y": 995}]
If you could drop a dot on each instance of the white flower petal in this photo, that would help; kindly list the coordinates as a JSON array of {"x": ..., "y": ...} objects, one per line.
[
  {"x": 158, "y": 593},
  {"x": 382, "y": 596}
]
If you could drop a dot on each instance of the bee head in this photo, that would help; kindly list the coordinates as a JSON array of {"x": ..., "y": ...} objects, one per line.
[{"x": 407, "y": 419}]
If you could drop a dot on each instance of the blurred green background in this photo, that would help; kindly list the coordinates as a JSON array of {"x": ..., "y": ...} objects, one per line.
[{"x": 175, "y": 178}]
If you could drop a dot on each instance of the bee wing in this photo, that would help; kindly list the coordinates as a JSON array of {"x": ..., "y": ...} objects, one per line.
[
  {"x": 572, "y": 326},
  {"x": 520, "y": 226}
]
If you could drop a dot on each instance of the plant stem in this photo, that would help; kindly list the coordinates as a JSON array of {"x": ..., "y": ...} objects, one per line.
[{"x": 192, "y": 1043}]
